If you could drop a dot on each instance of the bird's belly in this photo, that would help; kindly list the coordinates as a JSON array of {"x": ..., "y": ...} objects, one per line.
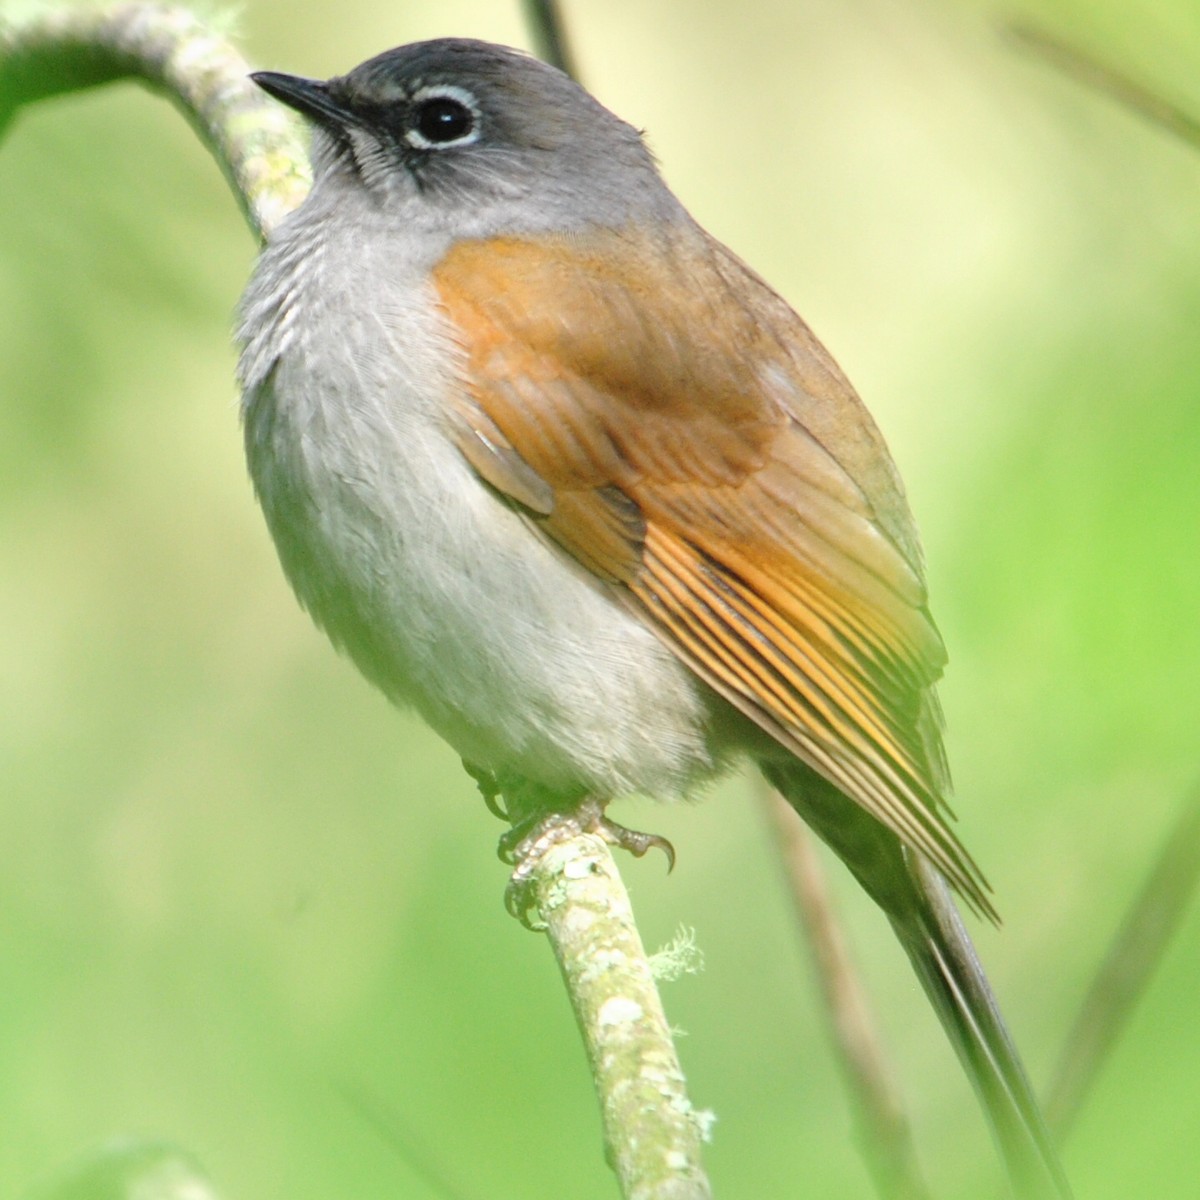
[{"x": 450, "y": 600}]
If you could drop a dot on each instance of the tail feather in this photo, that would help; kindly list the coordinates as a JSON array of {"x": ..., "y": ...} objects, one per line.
[
  {"x": 945, "y": 961},
  {"x": 918, "y": 903}
]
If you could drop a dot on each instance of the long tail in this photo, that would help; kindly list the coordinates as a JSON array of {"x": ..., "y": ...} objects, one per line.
[
  {"x": 917, "y": 901},
  {"x": 951, "y": 974}
]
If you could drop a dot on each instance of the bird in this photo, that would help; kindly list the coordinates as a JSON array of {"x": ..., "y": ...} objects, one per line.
[{"x": 559, "y": 471}]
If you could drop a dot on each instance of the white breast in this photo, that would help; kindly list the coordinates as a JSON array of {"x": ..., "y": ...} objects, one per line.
[{"x": 440, "y": 591}]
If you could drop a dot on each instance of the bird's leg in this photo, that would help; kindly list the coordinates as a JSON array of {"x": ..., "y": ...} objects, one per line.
[{"x": 535, "y": 833}]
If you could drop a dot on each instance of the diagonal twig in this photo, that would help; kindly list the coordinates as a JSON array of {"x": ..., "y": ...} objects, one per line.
[
  {"x": 374, "y": 1112},
  {"x": 1103, "y": 77},
  {"x": 653, "y": 1135},
  {"x": 1132, "y": 958}
]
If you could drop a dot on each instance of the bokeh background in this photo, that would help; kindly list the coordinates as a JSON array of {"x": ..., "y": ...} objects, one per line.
[{"x": 248, "y": 911}]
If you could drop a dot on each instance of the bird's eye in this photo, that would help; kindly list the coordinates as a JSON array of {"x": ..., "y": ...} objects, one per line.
[
  {"x": 442, "y": 116},
  {"x": 443, "y": 120}
]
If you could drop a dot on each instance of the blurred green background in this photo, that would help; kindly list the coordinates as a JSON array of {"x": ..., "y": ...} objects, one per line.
[{"x": 249, "y": 911}]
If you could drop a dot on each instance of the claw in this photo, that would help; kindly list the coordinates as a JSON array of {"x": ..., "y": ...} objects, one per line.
[
  {"x": 637, "y": 843},
  {"x": 508, "y": 845},
  {"x": 489, "y": 789},
  {"x": 518, "y": 902},
  {"x": 523, "y": 845}
]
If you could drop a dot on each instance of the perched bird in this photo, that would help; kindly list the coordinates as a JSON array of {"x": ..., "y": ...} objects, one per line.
[{"x": 557, "y": 469}]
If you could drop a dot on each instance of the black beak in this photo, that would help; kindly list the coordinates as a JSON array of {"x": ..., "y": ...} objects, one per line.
[{"x": 308, "y": 96}]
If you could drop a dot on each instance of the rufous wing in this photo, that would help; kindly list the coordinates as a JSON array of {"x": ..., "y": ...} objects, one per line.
[{"x": 668, "y": 421}]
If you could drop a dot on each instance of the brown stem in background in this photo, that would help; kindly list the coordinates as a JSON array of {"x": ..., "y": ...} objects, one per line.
[
  {"x": 883, "y": 1130},
  {"x": 1104, "y": 78}
]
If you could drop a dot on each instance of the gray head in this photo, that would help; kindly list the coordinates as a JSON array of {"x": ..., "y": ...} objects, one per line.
[{"x": 454, "y": 124}]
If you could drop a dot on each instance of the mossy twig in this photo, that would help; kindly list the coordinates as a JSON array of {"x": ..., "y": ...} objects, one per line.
[
  {"x": 652, "y": 1133},
  {"x": 258, "y": 145}
]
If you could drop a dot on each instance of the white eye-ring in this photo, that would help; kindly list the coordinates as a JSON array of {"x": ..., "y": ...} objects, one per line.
[{"x": 440, "y": 116}]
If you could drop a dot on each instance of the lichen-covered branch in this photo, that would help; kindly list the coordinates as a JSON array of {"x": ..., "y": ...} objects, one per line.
[
  {"x": 258, "y": 145},
  {"x": 652, "y": 1134}
]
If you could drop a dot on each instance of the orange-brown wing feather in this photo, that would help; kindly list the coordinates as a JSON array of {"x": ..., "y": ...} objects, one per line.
[{"x": 694, "y": 444}]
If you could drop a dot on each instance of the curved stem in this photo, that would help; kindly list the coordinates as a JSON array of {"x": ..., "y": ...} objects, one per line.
[
  {"x": 1103, "y": 77},
  {"x": 256, "y": 142}
]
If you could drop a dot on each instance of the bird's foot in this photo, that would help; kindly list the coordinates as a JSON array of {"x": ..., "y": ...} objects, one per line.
[{"x": 529, "y": 839}]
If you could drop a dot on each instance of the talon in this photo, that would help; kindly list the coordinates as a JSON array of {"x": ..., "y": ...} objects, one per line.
[
  {"x": 529, "y": 839},
  {"x": 509, "y": 842},
  {"x": 525, "y": 843},
  {"x": 518, "y": 896},
  {"x": 489, "y": 789},
  {"x": 637, "y": 843}
]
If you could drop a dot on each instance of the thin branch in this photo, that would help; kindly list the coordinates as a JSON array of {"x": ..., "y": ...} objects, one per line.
[
  {"x": 1110, "y": 80},
  {"x": 256, "y": 142},
  {"x": 652, "y": 1133},
  {"x": 1133, "y": 957},
  {"x": 550, "y": 35},
  {"x": 883, "y": 1130}
]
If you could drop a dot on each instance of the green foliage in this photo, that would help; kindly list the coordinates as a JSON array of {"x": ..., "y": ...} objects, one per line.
[{"x": 238, "y": 894}]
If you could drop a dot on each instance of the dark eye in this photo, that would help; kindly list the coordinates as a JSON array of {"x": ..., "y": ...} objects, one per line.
[{"x": 442, "y": 119}]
